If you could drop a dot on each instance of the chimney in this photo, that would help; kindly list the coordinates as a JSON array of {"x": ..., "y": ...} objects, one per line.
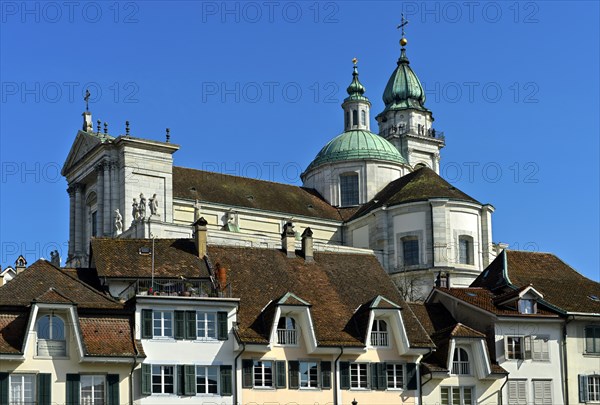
[
  {"x": 221, "y": 276},
  {"x": 88, "y": 126},
  {"x": 20, "y": 264},
  {"x": 307, "y": 245},
  {"x": 200, "y": 236},
  {"x": 288, "y": 239}
]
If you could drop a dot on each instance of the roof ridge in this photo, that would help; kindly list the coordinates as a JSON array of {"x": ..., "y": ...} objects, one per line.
[
  {"x": 57, "y": 291},
  {"x": 245, "y": 178}
]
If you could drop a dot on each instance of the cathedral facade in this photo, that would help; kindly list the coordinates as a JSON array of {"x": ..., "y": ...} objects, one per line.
[{"x": 364, "y": 191}]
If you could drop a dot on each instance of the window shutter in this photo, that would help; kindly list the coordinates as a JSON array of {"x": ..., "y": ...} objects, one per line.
[
  {"x": 381, "y": 376},
  {"x": 72, "y": 389},
  {"x": 3, "y": 388},
  {"x": 280, "y": 374},
  {"x": 326, "y": 375},
  {"x": 374, "y": 377},
  {"x": 344, "y": 375},
  {"x": 527, "y": 347},
  {"x": 146, "y": 379},
  {"x": 294, "y": 374},
  {"x": 179, "y": 325},
  {"x": 247, "y": 373},
  {"x": 44, "y": 389},
  {"x": 583, "y": 391},
  {"x": 112, "y": 382},
  {"x": 146, "y": 324},
  {"x": 222, "y": 325},
  {"x": 179, "y": 379},
  {"x": 411, "y": 376},
  {"x": 189, "y": 384},
  {"x": 190, "y": 325},
  {"x": 226, "y": 381}
]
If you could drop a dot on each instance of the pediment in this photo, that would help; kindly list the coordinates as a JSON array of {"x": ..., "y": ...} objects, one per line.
[{"x": 82, "y": 145}]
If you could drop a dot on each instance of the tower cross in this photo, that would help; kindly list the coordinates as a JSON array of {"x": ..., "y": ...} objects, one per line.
[
  {"x": 403, "y": 22},
  {"x": 87, "y": 99}
]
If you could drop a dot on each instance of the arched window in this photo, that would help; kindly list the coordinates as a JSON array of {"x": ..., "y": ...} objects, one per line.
[
  {"x": 347, "y": 119},
  {"x": 287, "y": 334},
  {"x": 363, "y": 117},
  {"x": 354, "y": 118},
  {"x": 51, "y": 336},
  {"x": 465, "y": 249},
  {"x": 410, "y": 250},
  {"x": 349, "y": 189},
  {"x": 460, "y": 362},
  {"x": 379, "y": 333}
]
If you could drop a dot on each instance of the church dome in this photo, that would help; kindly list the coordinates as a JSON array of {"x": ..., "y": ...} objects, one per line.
[
  {"x": 404, "y": 90},
  {"x": 357, "y": 145}
]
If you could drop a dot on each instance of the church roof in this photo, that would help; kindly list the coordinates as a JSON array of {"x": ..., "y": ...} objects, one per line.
[
  {"x": 420, "y": 185},
  {"x": 250, "y": 193},
  {"x": 357, "y": 144}
]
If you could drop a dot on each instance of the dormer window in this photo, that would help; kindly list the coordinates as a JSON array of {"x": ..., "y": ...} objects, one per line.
[
  {"x": 51, "y": 336},
  {"x": 349, "y": 189},
  {"x": 379, "y": 333},
  {"x": 460, "y": 362},
  {"x": 287, "y": 334},
  {"x": 465, "y": 250},
  {"x": 527, "y": 306}
]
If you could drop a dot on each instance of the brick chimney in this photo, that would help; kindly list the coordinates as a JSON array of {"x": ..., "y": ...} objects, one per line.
[
  {"x": 20, "y": 264},
  {"x": 221, "y": 276},
  {"x": 288, "y": 239},
  {"x": 200, "y": 236},
  {"x": 307, "y": 245}
]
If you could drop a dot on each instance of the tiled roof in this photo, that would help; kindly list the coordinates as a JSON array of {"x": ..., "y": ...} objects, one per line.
[
  {"x": 335, "y": 284},
  {"x": 235, "y": 191},
  {"x": 420, "y": 185},
  {"x": 34, "y": 283},
  {"x": 172, "y": 258},
  {"x": 108, "y": 335},
  {"x": 12, "y": 331},
  {"x": 560, "y": 284},
  {"x": 53, "y": 297}
]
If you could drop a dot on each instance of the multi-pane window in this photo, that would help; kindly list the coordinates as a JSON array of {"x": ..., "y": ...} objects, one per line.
[
  {"x": 349, "y": 189},
  {"x": 395, "y": 376},
  {"x": 514, "y": 348},
  {"x": 465, "y": 250},
  {"x": 593, "y": 388},
  {"x": 309, "y": 374},
  {"x": 163, "y": 323},
  {"x": 287, "y": 333},
  {"x": 207, "y": 325},
  {"x": 92, "y": 390},
  {"x": 163, "y": 380},
  {"x": 526, "y": 306},
  {"x": 457, "y": 395},
  {"x": 517, "y": 392},
  {"x": 539, "y": 348},
  {"x": 592, "y": 339},
  {"x": 51, "y": 336},
  {"x": 358, "y": 375},
  {"x": 460, "y": 362},
  {"x": 263, "y": 374},
  {"x": 379, "y": 333},
  {"x": 22, "y": 388},
  {"x": 410, "y": 250},
  {"x": 542, "y": 392},
  {"x": 207, "y": 379}
]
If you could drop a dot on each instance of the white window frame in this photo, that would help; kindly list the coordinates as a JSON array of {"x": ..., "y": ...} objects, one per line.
[
  {"x": 203, "y": 372},
  {"x": 507, "y": 345},
  {"x": 546, "y": 389},
  {"x": 460, "y": 390},
  {"x": 459, "y": 366},
  {"x": 162, "y": 374},
  {"x": 394, "y": 376},
  {"x": 160, "y": 315},
  {"x": 380, "y": 338},
  {"x": 359, "y": 376},
  {"x": 593, "y": 381},
  {"x": 21, "y": 383},
  {"x": 261, "y": 365},
  {"x": 51, "y": 338},
  {"x": 288, "y": 335},
  {"x": 203, "y": 321},
  {"x": 521, "y": 388},
  {"x": 312, "y": 374},
  {"x": 96, "y": 396}
]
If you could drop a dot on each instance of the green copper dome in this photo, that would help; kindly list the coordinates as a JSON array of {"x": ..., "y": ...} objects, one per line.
[
  {"x": 355, "y": 90},
  {"x": 404, "y": 89},
  {"x": 355, "y": 145}
]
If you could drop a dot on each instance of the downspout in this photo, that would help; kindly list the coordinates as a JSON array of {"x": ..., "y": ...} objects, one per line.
[
  {"x": 134, "y": 357},
  {"x": 235, "y": 392},
  {"x": 501, "y": 388},
  {"x": 565, "y": 358},
  {"x": 423, "y": 383},
  {"x": 335, "y": 377}
]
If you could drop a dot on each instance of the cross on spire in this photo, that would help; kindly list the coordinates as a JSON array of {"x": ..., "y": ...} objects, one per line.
[
  {"x": 87, "y": 99},
  {"x": 403, "y": 22}
]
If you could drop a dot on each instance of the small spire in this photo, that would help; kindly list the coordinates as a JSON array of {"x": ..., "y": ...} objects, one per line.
[
  {"x": 356, "y": 88},
  {"x": 105, "y": 128},
  {"x": 127, "y": 128},
  {"x": 98, "y": 124},
  {"x": 168, "y": 136}
]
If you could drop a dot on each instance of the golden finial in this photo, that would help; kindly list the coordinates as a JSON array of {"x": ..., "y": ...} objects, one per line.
[
  {"x": 403, "y": 40},
  {"x": 355, "y": 61}
]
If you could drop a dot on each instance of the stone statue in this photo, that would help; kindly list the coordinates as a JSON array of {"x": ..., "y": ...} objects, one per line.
[
  {"x": 153, "y": 205},
  {"x": 134, "y": 210},
  {"x": 118, "y": 223},
  {"x": 142, "y": 206}
]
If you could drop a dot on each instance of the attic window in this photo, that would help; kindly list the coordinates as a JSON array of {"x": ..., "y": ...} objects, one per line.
[
  {"x": 594, "y": 297},
  {"x": 145, "y": 251},
  {"x": 527, "y": 306}
]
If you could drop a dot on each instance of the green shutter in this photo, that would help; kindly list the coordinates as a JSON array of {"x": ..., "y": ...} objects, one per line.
[
  {"x": 226, "y": 381},
  {"x": 326, "y": 375},
  {"x": 247, "y": 373},
  {"x": 374, "y": 381},
  {"x": 189, "y": 387},
  {"x": 44, "y": 389},
  {"x": 112, "y": 382},
  {"x": 411, "y": 376},
  {"x": 583, "y": 389},
  {"x": 344, "y": 375},
  {"x": 179, "y": 325},
  {"x": 73, "y": 389},
  {"x": 146, "y": 324},
  {"x": 280, "y": 374},
  {"x": 294, "y": 374},
  {"x": 190, "y": 325},
  {"x": 3, "y": 388},
  {"x": 381, "y": 376},
  {"x": 179, "y": 379},
  {"x": 146, "y": 379},
  {"x": 222, "y": 325}
]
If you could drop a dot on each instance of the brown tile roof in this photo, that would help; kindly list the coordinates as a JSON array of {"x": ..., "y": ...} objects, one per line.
[
  {"x": 560, "y": 284},
  {"x": 108, "y": 335},
  {"x": 235, "y": 191},
  {"x": 53, "y": 297},
  {"x": 420, "y": 185},
  {"x": 335, "y": 285},
  {"x": 12, "y": 331},
  {"x": 172, "y": 258},
  {"x": 38, "y": 278}
]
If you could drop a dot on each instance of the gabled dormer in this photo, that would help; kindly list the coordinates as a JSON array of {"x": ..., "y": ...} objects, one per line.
[
  {"x": 385, "y": 328},
  {"x": 467, "y": 352},
  {"x": 524, "y": 300},
  {"x": 292, "y": 324}
]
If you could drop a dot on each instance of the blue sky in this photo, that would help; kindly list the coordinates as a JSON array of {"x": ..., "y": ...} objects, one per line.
[{"x": 254, "y": 88}]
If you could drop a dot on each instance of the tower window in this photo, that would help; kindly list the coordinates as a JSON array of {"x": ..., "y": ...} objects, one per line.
[
  {"x": 465, "y": 249},
  {"x": 347, "y": 119},
  {"x": 410, "y": 250},
  {"x": 349, "y": 189},
  {"x": 363, "y": 117},
  {"x": 354, "y": 117}
]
